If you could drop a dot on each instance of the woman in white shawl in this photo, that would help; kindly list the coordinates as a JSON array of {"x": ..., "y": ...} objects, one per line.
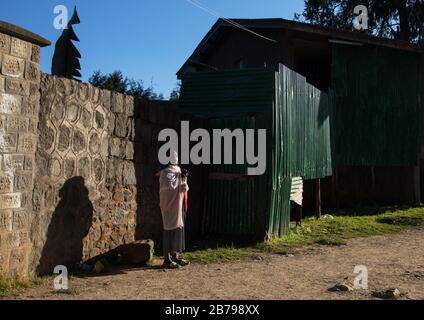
[{"x": 173, "y": 185}]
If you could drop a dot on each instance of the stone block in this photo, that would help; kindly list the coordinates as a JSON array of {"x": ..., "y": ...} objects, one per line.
[
  {"x": 28, "y": 163},
  {"x": 35, "y": 53},
  {"x": 32, "y": 126},
  {"x": 64, "y": 140},
  {"x": 30, "y": 108},
  {"x": 55, "y": 168},
  {"x": 26, "y": 199},
  {"x": 34, "y": 91},
  {"x": 17, "y": 86},
  {"x": 136, "y": 253},
  {"x": 20, "y": 49},
  {"x": 22, "y": 182},
  {"x": 2, "y": 83},
  {"x": 8, "y": 142},
  {"x": 129, "y": 177},
  {"x": 10, "y": 104},
  {"x": 17, "y": 124},
  {"x": 32, "y": 71},
  {"x": 21, "y": 219},
  {"x": 115, "y": 147},
  {"x": 12, "y": 66},
  {"x": 122, "y": 126},
  {"x": 84, "y": 168},
  {"x": 70, "y": 167},
  {"x": 5, "y": 42},
  {"x": 27, "y": 143},
  {"x": 13, "y": 162},
  {"x": 10, "y": 201},
  {"x": 98, "y": 170},
  {"x": 117, "y": 102},
  {"x": 6, "y": 183},
  {"x": 79, "y": 142},
  {"x": 106, "y": 99},
  {"x": 94, "y": 143},
  {"x": 129, "y": 106},
  {"x": 129, "y": 151},
  {"x": 99, "y": 120},
  {"x": 3, "y": 121},
  {"x": 6, "y": 221},
  {"x": 85, "y": 118}
]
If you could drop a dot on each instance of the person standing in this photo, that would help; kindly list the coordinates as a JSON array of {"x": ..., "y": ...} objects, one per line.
[{"x": 173, "y": 186}]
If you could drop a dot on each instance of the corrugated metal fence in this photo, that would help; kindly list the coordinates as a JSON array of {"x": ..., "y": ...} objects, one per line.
[
  {"x": 296, "y": 116},
  {"x": 377, "y": 106}
]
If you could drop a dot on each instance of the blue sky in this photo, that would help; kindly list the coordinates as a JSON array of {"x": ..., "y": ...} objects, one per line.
[{"x": 148, "y": 40}]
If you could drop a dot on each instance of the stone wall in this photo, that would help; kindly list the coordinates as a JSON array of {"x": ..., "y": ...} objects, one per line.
[
  {"x": 77, "y": 164},
  {"x": 19, "y": 104},
  {"x": 84, "y": 197}
]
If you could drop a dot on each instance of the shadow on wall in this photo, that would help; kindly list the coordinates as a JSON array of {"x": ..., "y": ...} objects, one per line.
[
  {"x": 148, "y": 115},
  {"x": 70, "y": 224}
]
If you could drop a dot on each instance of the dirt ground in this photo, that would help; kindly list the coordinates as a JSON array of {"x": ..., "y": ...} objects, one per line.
[{"x": 395, "y": 260}]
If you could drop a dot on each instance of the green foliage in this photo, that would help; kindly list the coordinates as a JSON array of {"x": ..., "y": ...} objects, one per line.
[
  {"x": 398, "y": 19},
  {"x": 116, "y": 81},
  {"x": 66, "y": 56},
  {"x": 175, "y": 94}
]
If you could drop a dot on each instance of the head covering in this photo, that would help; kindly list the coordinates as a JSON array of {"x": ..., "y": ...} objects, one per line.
[{"x": 174, "y": 158}]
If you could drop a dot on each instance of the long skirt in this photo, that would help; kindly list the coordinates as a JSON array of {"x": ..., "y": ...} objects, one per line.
[{"x": 173, "y": 241}]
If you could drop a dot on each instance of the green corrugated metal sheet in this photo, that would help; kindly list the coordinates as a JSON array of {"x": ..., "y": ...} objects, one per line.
[
  {"x": 303, "y": 113},
  {"x": 296, "y": 116},
  {"x": 233, "y": 206},
  {"x": 301, "y": 145},
  {"x": 377, "y": 99},
  {"x": 227, "y": 93}
]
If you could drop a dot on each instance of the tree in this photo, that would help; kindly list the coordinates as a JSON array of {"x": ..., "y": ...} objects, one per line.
[
  {"x": 175, "y": 94},
  {"x": 66, "y": 56},
  {"x": 116, "y": 81},
  {"x": 396, "y": 19}
]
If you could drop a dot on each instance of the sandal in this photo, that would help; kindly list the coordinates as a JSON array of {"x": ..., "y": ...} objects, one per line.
[
  {"x": 182, "y": 262},
  {"x": 170, "y": 265}
]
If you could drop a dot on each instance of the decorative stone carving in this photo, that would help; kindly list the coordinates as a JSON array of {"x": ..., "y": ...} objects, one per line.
[
  {"x": 12, "y": 67},
  {"x": 20, "y": 48}
]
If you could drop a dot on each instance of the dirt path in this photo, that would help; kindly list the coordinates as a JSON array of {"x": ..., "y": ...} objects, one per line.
[{"x": 392, "y": 261}]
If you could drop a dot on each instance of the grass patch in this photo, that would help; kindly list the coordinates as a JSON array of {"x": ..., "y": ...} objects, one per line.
[
  {"x": 330, "y": 231},
  {"x": 222, "y": 254},
  {"x": 12, "y": 286}
]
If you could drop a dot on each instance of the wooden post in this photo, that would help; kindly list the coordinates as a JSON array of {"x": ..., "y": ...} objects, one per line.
[{"x": 318, "y": 198}]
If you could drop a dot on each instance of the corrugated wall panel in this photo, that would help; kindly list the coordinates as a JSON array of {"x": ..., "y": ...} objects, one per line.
[
  {"x": 234, "y": 207},
  {"x": 305, "y": 131},
  {"x": 377, "y": 99},
  {"x": 227, "y": 93}
]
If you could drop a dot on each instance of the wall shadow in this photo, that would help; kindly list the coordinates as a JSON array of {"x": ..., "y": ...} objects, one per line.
[{"x": 70, "y": 224}]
